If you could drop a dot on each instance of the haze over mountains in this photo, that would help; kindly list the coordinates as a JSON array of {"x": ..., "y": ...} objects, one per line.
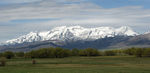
[{"x": 79, "y": 37}]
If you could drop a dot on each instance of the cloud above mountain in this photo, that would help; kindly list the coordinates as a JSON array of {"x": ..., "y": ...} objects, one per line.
[
  {"x": 17, "y": 1},
  {"x": 22, "y": 16}
]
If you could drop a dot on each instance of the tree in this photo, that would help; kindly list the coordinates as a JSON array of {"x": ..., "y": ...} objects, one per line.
[
  {"x": 31, "y": 54},
  {"x": 75, "y": 52},
  {"x": 139, "y": 52},
  {"x": 1, "y": 54},
  {"x": 19, "y": 54},
  {"x": 44, "y": 53},
  {"x": 101, "y": 53},
  {"x": 109, "y": 53},
  {"x": 89, "y": 52},
  {"x": 118, "y": 52},
  {"x": 8, "y": 54},
  {"x": 146, "y": 52},
  {"x": 60, "y": 53},
  {"x": 130, "y": 51},
  {"x": 48, "y": 53}
]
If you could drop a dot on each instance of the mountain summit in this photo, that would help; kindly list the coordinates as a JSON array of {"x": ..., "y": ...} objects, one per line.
[{"x": 73, "y": 33}]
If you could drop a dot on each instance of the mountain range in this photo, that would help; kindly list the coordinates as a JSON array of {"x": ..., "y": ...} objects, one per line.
[{"x": 79, "y": 37}]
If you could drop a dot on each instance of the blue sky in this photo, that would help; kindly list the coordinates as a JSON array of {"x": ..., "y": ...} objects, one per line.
[
  {"x": 19, "y": 17},
  {"x": 121, "y": 3}
]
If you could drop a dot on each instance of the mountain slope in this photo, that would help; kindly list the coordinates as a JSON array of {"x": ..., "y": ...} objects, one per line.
[
  {"x": 78, "y": 37},
  {"x": 74, "y": 33},
  {"x": 103, "y": 43}
]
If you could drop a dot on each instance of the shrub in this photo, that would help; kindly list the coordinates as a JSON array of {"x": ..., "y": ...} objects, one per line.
[
  {"x": 139, "y": 52},
  {"x": 101, "y": 53},
  {"x": 19, "y": 54},
  {"x": 27, "y": 55},
  {"x": 8, "y": 54},
  {"x": 3, "y": 61},
  {"x": 146, "y": 52},
  {"x": 109, "y": 53},
  {"x": 119, "y": 52},
  {"x": 60, "y": 53},
  {"x": 1, "y": 54},
  {"x": 130, "y": 51},
  {"x": 33, "y": 61},
  {"x": 66, "y": 53},
  {"x": 48, "y": 53},
  {"x": 33, "y": 54},
  {"x": 89, "y": 52},
  {"x": 44, "y": 53},
  {"x": 75, "y": 52}
]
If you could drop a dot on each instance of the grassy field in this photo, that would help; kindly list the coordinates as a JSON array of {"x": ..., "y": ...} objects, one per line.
[{"x": 111, "y": 64}]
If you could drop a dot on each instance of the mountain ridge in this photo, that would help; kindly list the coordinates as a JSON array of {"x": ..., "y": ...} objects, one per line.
[
  {"x": 73, "y": 33},
  {"x": 79, "y": 37}
]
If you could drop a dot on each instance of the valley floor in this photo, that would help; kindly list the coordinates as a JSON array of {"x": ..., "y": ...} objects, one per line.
[{"x": 101, "y": 64}]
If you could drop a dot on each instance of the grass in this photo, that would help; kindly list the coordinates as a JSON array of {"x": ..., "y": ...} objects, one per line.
[{"x": 102, "y": 64}]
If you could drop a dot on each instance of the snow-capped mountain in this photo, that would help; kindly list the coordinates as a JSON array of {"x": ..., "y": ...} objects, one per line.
[
  {"x": 73, "y": 33},
  {"x": 148, "y": 32}
]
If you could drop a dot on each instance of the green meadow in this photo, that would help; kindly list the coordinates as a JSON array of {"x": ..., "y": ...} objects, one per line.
[{"x": 100, "y": 64}]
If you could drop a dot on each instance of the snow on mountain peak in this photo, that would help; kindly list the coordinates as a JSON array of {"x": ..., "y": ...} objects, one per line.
[
  {"x": 73, "y": 33},
  {"x": 125, "y": 30},
  {"x": 148, "y": 32}
]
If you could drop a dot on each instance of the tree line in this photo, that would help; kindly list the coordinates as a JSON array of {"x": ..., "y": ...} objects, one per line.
[{"x": 61, "y": 53}]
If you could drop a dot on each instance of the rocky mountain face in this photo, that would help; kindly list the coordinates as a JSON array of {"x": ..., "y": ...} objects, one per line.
[
  {"x": 74, "y": 33},
  {"x": 79, "y": 37}
]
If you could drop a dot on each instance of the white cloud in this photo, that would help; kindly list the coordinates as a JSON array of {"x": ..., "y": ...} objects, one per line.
[
  {"x": 75, "y": 12},
  {"x": 17, "y": 1},
  {"x": 70, "y": 12}
]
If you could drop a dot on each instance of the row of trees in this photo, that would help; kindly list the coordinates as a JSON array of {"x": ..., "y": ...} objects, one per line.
[
  {"x": 138, "y": 52},
  {"x": 9, "y": 54},
  {"x": 51, "y": 53},
  {"x": 61, "y": 53}
]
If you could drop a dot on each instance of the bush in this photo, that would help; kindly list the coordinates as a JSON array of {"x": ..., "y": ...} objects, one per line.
[
  {"x": 27, "y": 55},
  {"x": 8, "y": 54},
  {"x": 48, "y": 53},
  {"x": 3, "y": 61},
  {"x": 60, "y": 53},
  {"x": 19, "y": 54},
  {"x": 139, "y": 52},
  {"x": 119, "y": 52},
  {"x": 43, "y": 53},
  {"x": 33, "y": 61},
  {"x": 101, "y": 53},
  {"x": 1, "y": 54},
  {"x": 146, "y": 52},
  {"x": 66, "y": 53},
  {"x": 109, "y": 53},
  {"x": 130, "y": 51},
  {"x": 89, "y": 52},
  {"x": 75, "y": 52},
  {"x": 33, "y": 54}
]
